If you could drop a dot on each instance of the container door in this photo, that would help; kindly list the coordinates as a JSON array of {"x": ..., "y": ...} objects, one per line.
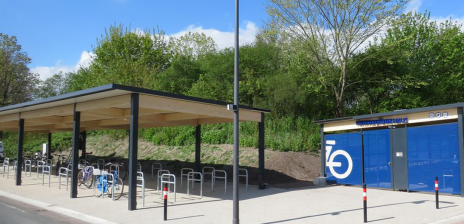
[
  {"x": 377, "y": 158},
  {"x": 399, "y": 163}
]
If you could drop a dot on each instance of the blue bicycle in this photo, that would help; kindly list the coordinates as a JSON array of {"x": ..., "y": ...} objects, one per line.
[{"x": 105, "y": 185}]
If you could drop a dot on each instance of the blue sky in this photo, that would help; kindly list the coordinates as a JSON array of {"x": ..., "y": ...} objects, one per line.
[{"x": 58, "y": 35}]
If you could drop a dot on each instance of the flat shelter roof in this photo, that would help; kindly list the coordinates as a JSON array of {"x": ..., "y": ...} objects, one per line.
[{"x": 108, "y": 107}]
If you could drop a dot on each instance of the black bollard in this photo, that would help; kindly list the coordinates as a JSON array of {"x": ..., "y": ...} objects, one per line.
[
  {"x": 365, "y": 202},
  {"x": 165, "y": 195},
  {"x": 436, "y": 192}
]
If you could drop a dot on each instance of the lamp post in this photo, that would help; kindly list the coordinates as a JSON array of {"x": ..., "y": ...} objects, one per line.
[{"x": 236, "y": 219}]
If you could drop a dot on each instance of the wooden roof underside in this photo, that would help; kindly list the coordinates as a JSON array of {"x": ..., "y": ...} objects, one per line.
[{"x": 114, "y": 113}]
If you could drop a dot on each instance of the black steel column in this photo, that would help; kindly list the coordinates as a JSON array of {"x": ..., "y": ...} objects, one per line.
[
  {"x": 133, "y": 147},
  {"x": 49, "y": 146},
  {"x": 84, "y": 143},
  {"x": 261, "y": 147},
  {"x": 75, "y": 152},
  {"x": 19, "y": 166},
  {"x": 198, "y": 148},
  {"x": 1, "y": 135},
  {"x": 323, "y": 151},
  {"x": 235, "y": 195},
  {"x": 461, "y": 147}
]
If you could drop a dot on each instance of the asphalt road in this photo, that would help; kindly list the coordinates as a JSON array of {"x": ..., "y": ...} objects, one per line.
[{"x": 15, "y": 212}]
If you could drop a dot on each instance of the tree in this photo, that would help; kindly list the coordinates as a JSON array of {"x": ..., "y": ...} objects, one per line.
[
  {"x": 17, "y": 83},
  {"x": 125, "y": 57},
  {"x": 333, "y": 30},
  {"x": 53, "y": 86}
]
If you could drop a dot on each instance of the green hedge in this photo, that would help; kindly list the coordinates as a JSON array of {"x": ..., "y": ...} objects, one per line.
[{"x": 282, "y": 134}]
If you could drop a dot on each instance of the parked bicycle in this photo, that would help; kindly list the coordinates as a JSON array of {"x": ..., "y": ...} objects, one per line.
[
  {"x": 85, "y": 176},
  {"x": 105, "y": 184}
]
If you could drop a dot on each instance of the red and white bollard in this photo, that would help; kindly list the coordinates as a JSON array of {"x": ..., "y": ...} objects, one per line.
[
  {"x": 365, "y": 202},
  {"x": 436, "y": 192},
  {"x": 165, "y": 197}
]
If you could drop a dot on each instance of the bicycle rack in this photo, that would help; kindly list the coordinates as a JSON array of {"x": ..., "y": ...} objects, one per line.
[
  {"x": 158, "y": 182},
  {"x": 211, "y": 172},
  {"x": 244, "y": 175},
  {"x": 169, "y": 182},
  {"x": 102, "y": 162},
  {"x": 220, "y": 177},
  {"x": 47, "y": 170},
  {"x": 63, "y": 174},
  {"x": 6, "y": 163},
  {"x": 139, "y": 167},
  {"x": 15, "y": 168},
  {"x": 155, "y": 166},
  {"x": 182, "y": 174},
  {"x": 40, "y": 165},
  {"x": 82, "y": 164},
  {"x": 96, "y": 174},
  {"x": 28, "y": 163},
  {"x": 191, "y": 177},
  {"x": 142, "y": 185},
  {"x": 116, "y": 167}
]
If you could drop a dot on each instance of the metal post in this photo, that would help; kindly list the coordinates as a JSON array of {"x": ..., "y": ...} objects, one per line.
[
  {"x": 261, "y": 147},
  {"x": 133, "y": 148},
  {"x": 75, "y": 152},
  {"x": 461, "y": 147},
  {"x": 19, "y": 165},
  {"x": 49, "y": 146},
  {"x": 198, "y": 148},
  {"x": 323, "y": 156},
  {"x": 363, "y": 178},
  {"x": 1, "y": 135},
  {"x": 236, "y": 219},
  {"x": 165, "y": 197},
  {"x": 436, "y": 193}
]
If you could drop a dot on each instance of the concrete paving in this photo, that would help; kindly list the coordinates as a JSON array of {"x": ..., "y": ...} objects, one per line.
[{"x": 333, "y": 204}]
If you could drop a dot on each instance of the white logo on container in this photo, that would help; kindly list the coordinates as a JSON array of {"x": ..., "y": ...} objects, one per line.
[{"x": 330, "y": 160}]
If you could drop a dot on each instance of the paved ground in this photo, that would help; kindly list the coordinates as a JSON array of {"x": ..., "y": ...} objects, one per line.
[
  {"x": 337, "y": 204},
  {"x": 15, "y": 212}
]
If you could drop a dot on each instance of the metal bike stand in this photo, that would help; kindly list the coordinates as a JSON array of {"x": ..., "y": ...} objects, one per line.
[
  {"x": 40, "y": 165},
  {"x": 6, "y": 164},
  {"x": 46, "y": 170},
  {"x": 114, "y": 167},
  {"x": 139, "y": 167},
  {"x": 191, "y": 177},
  {"x": 82, "y": 164},
  {"x": 102, "y": 162},
  {"x": 28, "y": 164},
  {"x": 244, "y": 175},
  {"x": 63, "y": 174},
  {"x": 169, "y": 182},
  {"x": 96, "y": 174},
  {"x": 209, "y": 170},
  {"x": 158, "y": 183},
  {"x": 182, "y": 175},
  {"x": 15, "y": 168},
  {"x": 155, "y": 166},
  {"x": 112, "y": 182},
  {"x": 220, "y": 177},
  {"x": 142, "y": 185}
]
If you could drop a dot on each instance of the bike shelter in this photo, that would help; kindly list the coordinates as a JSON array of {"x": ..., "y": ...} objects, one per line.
[{"x": 113, "y": 107}]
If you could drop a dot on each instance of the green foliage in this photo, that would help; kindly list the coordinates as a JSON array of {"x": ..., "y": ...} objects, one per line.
[{"x": 17, "y": 83}]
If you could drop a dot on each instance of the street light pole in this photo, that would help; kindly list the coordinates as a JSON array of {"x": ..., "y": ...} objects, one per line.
[{"x": 236, "y": 219}]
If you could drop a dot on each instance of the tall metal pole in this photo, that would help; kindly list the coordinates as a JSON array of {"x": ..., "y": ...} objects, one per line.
[{"x": 236, "y": 219}]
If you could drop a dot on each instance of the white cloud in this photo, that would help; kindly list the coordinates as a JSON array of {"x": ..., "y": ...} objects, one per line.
[
  {"x": 224, "y": 39},
  {"x": 47, "y": 72},
  {"x": 413, "y": 6},
  {"x": 448, "y": 18}
]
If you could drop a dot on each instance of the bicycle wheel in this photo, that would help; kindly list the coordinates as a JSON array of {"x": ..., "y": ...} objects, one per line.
[
  {"x": 88, "y": 180},
  {"x": 81, "y": 178},
  {"x": 122, "y": 172},
  {"x": 118, "y": 188}
]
